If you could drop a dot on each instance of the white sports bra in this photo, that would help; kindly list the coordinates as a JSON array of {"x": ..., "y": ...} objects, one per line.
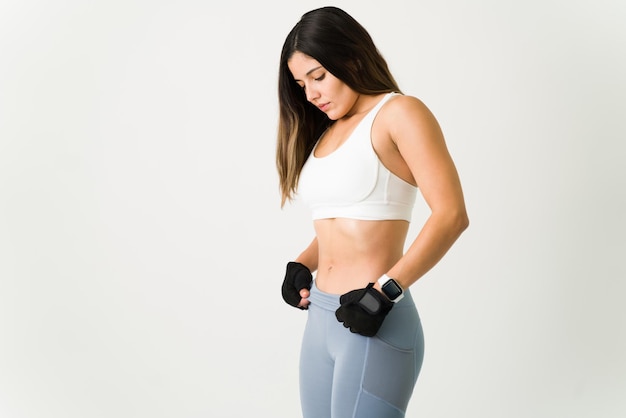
[{"x": 352, "y": 182}]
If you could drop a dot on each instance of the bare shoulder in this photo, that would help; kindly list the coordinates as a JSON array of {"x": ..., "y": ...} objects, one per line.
[
  {"x": 405, "y": 115},
  {"x": 402, "y": 106}
]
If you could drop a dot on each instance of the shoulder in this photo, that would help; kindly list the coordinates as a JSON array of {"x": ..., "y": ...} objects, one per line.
[
  {"x": 404, "y": 112},
  {"x": 404, "y": 105}
]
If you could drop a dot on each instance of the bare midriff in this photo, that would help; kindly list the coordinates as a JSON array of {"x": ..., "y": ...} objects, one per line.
[{"x": 353, "y": 253}]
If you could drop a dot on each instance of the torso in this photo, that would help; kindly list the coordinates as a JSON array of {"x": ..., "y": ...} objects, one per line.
[{"x": 355, "y": 252}]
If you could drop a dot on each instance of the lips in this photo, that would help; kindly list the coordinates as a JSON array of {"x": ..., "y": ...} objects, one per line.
[{"x": 323, "y": 107}]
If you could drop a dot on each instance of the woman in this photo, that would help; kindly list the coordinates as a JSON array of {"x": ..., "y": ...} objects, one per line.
[{"x": 356, "y": 150}]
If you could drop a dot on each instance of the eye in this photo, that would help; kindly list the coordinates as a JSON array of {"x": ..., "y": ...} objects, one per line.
[{"x": 320, "y": 78}]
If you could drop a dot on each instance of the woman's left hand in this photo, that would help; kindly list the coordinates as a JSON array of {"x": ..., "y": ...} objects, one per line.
[{"x": 363, "y": 310}]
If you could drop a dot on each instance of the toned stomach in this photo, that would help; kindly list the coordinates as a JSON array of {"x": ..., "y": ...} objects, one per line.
[{"x": 353, "y": 253}]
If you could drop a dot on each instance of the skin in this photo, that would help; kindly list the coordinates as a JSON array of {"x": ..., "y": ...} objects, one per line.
[{"x": 349, "y": 253}]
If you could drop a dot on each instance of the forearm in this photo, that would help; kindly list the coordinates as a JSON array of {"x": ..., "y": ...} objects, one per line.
[
  {"x": 309, "y": 257},
  {"x": 433, "y": 241}
]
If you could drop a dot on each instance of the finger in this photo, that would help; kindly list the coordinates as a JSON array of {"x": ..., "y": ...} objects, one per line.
[
  {"x": 304, "y": 303},
  {"x": 304, "y": 293}
]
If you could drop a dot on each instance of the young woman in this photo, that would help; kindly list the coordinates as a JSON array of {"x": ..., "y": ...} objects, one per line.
[{"x": 356, "y": 149}]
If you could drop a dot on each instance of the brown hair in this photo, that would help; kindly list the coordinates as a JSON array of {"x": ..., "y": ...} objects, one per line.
[{"x": 342, "y": 46}]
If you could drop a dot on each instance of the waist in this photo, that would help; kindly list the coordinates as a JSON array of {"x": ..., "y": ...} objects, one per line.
[
  {"x": 330, "y": 301},
  {"x": 352, "y": 253}
]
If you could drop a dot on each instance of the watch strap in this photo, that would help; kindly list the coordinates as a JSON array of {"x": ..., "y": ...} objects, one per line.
[{"x": 383, "y": 280}]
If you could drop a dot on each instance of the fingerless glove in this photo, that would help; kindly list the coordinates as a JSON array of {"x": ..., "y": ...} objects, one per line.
[
  {"x": 297, "y": 277},
  {"x": 363, "y": 310}
]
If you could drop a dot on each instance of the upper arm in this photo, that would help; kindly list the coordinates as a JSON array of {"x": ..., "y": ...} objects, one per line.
[{"x": 418, "y": 138}]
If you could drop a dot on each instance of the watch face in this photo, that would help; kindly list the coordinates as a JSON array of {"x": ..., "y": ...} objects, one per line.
[{"x": 392, "y": 289}]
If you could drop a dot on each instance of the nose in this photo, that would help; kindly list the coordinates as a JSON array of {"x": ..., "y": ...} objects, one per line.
[{"x": 311, "y": 93}]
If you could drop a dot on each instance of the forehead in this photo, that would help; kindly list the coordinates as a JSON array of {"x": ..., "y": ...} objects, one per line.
[{"x": 301, "y": 64}]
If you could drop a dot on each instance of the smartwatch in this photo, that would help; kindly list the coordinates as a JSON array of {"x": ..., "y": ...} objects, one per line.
[{"x": 391, "y": 288}]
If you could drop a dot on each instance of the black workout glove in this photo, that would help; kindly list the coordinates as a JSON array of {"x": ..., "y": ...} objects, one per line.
[
  {"x": 363, "y": 310},
  {"x": 297, "y": 277}
]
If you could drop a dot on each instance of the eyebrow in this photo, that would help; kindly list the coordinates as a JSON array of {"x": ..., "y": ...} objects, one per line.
[{"x": 309, "y": 72}]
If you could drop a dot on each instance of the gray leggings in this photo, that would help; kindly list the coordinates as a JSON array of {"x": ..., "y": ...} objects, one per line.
[{"x": 346, "y": 375}]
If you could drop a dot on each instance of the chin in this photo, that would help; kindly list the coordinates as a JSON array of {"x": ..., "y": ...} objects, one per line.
[{"x": 333, "y": 115}]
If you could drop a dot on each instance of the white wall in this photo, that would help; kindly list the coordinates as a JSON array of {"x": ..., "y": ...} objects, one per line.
[{"x": 142, "y": 245}]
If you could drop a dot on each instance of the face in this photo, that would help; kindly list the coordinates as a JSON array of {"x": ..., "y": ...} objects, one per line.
[{"x": 331, "y": 95}]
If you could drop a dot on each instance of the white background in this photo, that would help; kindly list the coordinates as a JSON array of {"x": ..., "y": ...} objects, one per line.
[{"x": 142, "y": 244}]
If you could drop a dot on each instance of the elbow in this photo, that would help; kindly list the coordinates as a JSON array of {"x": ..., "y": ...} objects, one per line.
[
  {"x": 463, "y": 221},
  {"x": 458, "y": 221},
  {"x": 452, "y": 221}
]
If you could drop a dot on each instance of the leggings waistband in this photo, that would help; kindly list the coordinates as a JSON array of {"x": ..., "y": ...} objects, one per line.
[
  {"x": 330, "y": 301},
  {"x": 322, "y": 299}
]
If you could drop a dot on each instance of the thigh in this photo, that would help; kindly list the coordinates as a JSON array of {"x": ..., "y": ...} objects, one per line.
[{"x": 316, "y": 367}]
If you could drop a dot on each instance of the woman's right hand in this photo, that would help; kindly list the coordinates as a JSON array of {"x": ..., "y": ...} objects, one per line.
[
  {"x": 304, "y": 302},
  {"x": 295, "y": 288}
]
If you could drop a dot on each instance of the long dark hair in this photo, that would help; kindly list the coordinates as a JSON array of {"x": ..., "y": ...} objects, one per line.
[{"x": 342, "y": 46}]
